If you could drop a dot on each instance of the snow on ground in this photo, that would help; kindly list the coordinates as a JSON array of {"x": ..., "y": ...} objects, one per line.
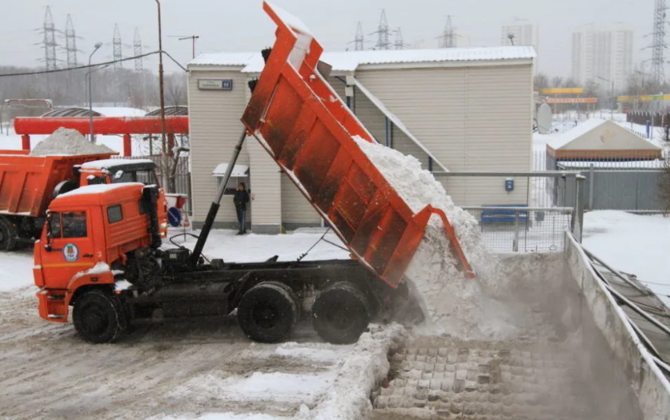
[
  {"x": 16, "y": 270},
  {"x": 634, "y": 244},
  {"x": 119, "y": 111}
]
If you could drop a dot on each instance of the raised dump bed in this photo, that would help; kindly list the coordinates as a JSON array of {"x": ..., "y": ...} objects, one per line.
[{"x": 309, "y": 131}]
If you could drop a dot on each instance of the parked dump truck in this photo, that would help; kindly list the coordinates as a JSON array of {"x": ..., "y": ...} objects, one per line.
[
  {"x": 29, "y": 183},
  {"x": 312, "y": 140}
]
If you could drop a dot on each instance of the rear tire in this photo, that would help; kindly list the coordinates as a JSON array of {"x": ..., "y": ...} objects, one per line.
[
  {"x": 341, "y": 313},
  {"x": 98, "y": 317},
  {"x": 267, "y": 312},
  {"x": 7, "y": 235}
]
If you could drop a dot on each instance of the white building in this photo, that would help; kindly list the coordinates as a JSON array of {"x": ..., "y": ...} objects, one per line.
[
  {"x": 524, "y": 33},
  {"x": 602, "y": 52},
  {"x": 454, "y": 109}
]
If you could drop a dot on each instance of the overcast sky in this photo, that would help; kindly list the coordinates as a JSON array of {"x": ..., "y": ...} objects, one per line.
[{"x": 241, "y": 25}]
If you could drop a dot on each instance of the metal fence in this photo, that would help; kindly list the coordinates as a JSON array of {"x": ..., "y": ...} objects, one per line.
[
  {"x": 610, "y": 184},
  {"x": 524, "y": 229}
]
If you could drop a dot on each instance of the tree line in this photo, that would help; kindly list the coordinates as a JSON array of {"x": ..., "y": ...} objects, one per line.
[{"x": 120, "y": 87}]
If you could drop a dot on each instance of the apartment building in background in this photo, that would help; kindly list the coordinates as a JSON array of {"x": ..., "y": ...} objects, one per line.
[{"x": 602, "y": 52}]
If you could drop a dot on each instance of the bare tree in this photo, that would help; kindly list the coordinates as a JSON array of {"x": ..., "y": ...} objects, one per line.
[
  {"x": 557, "y": 82},
  {"x": 540, "y": 82}
]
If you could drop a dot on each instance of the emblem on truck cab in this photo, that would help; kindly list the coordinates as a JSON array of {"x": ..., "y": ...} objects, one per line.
[{"x": 70, "y": 252}]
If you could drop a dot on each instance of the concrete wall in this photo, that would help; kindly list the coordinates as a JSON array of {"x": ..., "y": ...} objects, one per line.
[{"x": 650, "y": 386}]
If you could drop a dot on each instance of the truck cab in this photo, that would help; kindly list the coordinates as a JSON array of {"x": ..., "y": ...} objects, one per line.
[{"x": 87, "y": 232}]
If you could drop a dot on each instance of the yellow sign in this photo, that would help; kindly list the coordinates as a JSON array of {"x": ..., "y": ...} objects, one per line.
[
  {"x": 571, "y": 100},
  {"x": 644, "y": 98},
  {"x": 562, "y": 91}
]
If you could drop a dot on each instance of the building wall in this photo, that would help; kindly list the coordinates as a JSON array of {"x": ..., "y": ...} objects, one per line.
[
  {"x": 470, "y": 118},
  {"x": 215, "y": 128},
  {"x": 602, "y": 51}
]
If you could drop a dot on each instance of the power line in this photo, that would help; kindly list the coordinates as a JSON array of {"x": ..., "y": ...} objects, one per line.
[
  {"x": 383, "y": 34},
  {"x": 106, "y": 63},
  {"x": 137, "y": 46},
  {"x": 49, "y": 41},
  {"x": 658, "y": 45}
]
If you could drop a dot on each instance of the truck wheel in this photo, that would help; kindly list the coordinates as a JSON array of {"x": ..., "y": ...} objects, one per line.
[
  {"x": 298, "y": 303},
  {"x": 98, "y": 317},
  {"x": 267, "y": 313},
  {"x": 341, "y": 313},
  {"x": 7, "y": 235}
]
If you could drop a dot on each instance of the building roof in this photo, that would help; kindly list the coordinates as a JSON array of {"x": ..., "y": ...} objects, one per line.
[
  {"x": 71, "y": 112},
  {"x": 351, "y": 60},
  {"x": 597, "y": 134}
]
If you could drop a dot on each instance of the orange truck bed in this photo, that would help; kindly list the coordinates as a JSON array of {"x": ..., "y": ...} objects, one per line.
[
  {"x": 300, "y": 120},
  {"x": 27, "y": 182}
]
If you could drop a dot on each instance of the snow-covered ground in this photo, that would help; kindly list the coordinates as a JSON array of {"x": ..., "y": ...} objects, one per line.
[
  {"x": 205, "y": 370},
  {"x": 634, "y": 244}
]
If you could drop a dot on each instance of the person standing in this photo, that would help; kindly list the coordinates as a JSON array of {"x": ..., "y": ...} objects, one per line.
[{"x": 241, "y": 199}]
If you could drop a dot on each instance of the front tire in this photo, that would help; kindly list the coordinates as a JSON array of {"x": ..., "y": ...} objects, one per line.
[
  {"x": 7, "y": 235},
  {"x": 267, "y": 313},
  {"x": 341, "y": 313},
  {"x": 98, "y": 317}
]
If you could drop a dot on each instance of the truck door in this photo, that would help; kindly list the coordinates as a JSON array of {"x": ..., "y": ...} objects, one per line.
[{"x": 70, "y": 248}]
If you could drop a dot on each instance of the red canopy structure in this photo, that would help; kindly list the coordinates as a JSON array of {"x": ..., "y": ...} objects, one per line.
[{"x": 125, "y": 126}]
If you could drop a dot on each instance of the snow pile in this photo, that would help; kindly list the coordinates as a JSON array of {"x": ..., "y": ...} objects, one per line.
[
  {"x": 66, "y": 142},
  {"x": 452, "y": 303},
  {"x": 362, "y": 372}
]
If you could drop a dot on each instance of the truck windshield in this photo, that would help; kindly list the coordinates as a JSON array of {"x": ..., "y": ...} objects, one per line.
[
  {"x": 145, "y": 176},
  {"x": 68, "y": 225}
]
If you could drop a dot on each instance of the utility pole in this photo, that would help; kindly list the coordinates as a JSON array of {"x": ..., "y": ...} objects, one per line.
[
  {"x": 70, "y": 43},
  {"x": 383, "y": 34},
  {"x": 193, "y": 38},
  {"x": 49, "y": 43},
  {"x": 658, "y": 45},
  {"x": 359, "y": 41},
  {"x": 448, "y": 38},
  {"x": 137, "y": 50},
  {"x": 399, "y": 42},
  {"x": 164, "y": 165}
]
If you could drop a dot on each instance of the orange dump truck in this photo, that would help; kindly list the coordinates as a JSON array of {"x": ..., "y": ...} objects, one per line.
[
  {"x": 29, "y": 183},
  {"x": 100, "y": 252}
]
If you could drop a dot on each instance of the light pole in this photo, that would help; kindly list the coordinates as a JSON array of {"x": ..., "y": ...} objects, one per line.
[
  {"x": 162, "y": 98},
  {"x": 90, "y": 93},
  {"x": 613, "y": 98}
]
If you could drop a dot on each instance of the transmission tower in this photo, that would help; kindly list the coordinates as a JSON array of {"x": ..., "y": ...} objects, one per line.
[
  {"x": 658, "y": 44},
  {"x": 359, "y": 41},
  {"x": 137, "y": 49},
  {"x": 399, "y": 44},
  {"x": 383, "y": 34},
  {"x": 448, "y": 38},
  {"x": 49, "y": 42},
  {"x": 117, "y": 47},
  {"x": 70, "y": 43}
]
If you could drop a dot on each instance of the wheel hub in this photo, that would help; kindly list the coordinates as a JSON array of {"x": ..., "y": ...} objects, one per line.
[
  {"x": 265, "y": 316},
  {"x": 94, "y": 320}
]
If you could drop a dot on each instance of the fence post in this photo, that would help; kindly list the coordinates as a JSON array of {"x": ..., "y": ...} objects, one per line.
[
  {"x": 578, "y": 212},
  {"x": 515, "y": 247},
  {"x": 591, "y": 183}
]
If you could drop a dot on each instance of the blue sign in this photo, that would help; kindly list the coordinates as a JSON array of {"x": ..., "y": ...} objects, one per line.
[
  {"x": 215, "y": 84},
  {"x": 174, "y": 217}
]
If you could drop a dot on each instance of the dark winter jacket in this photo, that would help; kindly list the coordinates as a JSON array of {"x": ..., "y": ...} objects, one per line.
[{"x": 241, "y": 199}]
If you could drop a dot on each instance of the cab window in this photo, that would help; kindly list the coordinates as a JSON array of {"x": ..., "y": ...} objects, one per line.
[
  {"x": 74, "y": 224},
  {"x": 114, "y": 214},
  {"x": 55, "y": 225}
]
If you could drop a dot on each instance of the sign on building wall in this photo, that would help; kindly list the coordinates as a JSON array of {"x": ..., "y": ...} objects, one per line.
[
  {"x": 571, "y": 100},
  {"x": 215, "y": 84}
]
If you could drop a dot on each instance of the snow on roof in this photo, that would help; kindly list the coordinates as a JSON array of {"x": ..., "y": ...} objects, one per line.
[
  {"x": 621, "y": 164},
  {"x": 99, "y": 188},
  {"x": 238, "y": 170},
  {"x": 572, "y": 134},
  {"x": 110, "y": 163},
  {"x": 351, "y": 60}
]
